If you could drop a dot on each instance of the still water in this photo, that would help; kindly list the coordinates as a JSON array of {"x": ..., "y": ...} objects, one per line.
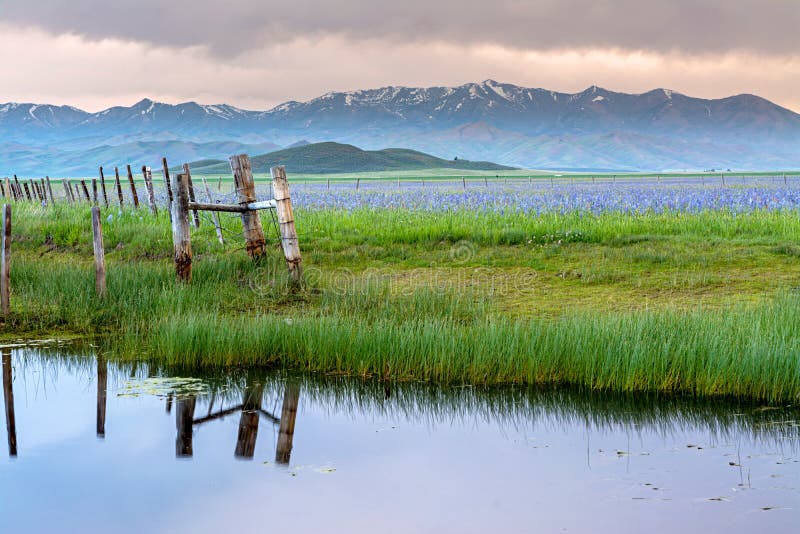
[{"x": 95, "y": 446}]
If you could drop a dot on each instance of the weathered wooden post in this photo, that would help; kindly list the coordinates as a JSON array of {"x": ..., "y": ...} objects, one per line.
[
  {"x": 27, "y": 191},
  {"x": 195, "y": 215},
  {"x": 103, "y": 187},
  {"x": 7, "y": 190},
  {"x": 168, "y": 183},
  {"x": 102, "y": 388},
  {"x": 148, "y": 183},
  {"x": 358, "y": 182},
  {"x": 133, "y": 188},
  {"x": 214, "y": 216},
  {"x": 5, "y": 263},
  {"x": 255, "y": 244},
  {"x": 8, "y": 401},
  {"x": 94, "y": 191},
  {"x": 291, "y": 398},
  {"x": 67, "y": 191},
  {"x": 119, "y": 186},
  {"x": 181, "y": 236},
  {"x": 50, "y": 189},
  {"x": 99, "y": 253},
  {"x": 463, "y": 182},
  {"x": 283, "y": 207},
  {"x": 86, "y": 192}
]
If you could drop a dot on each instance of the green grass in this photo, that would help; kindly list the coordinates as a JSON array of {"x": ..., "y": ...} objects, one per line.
[{"x": 696, "y": 304}]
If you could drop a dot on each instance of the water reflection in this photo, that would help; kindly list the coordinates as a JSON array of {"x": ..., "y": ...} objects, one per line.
[
  {"x": 8, "y": 401},
  {"x": 429, "y": 458}
]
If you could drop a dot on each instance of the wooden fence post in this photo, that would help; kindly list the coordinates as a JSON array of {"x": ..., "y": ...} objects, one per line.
[
  {"x": 94, "y": 191},
  {"x": 195, "y": 215},
  {"x": 255, "y": 244},
  {"x": 119, "y": 186},
  {"x": 148, "y": 184},
  {"x": 7, "y": 188},
  {"x": 50, "y": 189},
  {"x": 27, "y": 191},
  {"x": 181, "y": 236},
  {"x": 103, "y": 187},
  {"x": 5, "y": 262},
  {"x": 283, "y": 207},
  {"x": 168, "y": 183},
  {"x": 99, "y": 253},
  {"x": 86, "y": 192},
  {"x": 214, "y": 216},
  {"x": 67, "y": 191},
  {"x": 133, "y": 188}
]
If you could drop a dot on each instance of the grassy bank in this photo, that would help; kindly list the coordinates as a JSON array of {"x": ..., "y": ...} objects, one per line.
[{"x": 701, "y": 304}]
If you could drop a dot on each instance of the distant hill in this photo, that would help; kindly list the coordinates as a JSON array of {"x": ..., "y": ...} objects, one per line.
[{"x": 329, "y": 157}]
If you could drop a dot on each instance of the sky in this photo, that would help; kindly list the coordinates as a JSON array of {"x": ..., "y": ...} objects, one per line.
[{"x": 256, "y": 54}]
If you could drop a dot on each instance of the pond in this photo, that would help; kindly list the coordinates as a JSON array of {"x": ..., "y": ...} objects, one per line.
[{"x": 97, "y": 446}]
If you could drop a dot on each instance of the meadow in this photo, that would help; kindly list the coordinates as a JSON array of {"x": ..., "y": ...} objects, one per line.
[{"x": 631, "y": 286}]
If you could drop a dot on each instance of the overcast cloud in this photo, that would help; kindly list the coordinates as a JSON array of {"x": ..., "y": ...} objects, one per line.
[{"x": 277, "y": 51}]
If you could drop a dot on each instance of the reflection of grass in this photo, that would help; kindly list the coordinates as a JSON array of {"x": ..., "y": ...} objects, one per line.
[
  {"x": 534, "y": 408},
  {"x": 702, "y": 303}
]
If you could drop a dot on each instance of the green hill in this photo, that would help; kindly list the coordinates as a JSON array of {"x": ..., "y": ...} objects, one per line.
[{"x": 329, "y": 158}]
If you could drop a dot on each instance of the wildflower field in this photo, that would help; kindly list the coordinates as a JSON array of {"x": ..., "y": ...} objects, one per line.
[{"x": 681, "y": 287}]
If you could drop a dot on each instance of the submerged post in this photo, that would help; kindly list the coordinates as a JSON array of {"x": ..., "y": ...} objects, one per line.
[
  {"x": 181, "y": 236},
  {"x": 99, "y": 253},
  {"x": 5, "y": 262},
  {"x": 255, "y": 244},
  {"x": 283, "y": 206}
]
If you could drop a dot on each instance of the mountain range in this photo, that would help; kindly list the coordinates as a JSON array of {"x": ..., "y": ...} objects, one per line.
[{"x": 595, "y": 129}]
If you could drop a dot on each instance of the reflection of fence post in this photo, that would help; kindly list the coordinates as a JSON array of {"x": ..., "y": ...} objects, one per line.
[
  {"x": 102, "y": 385},
  {"x": 184, "y": 417},
  {"x": 99, "y": 253},
  {"x": 291, "y": 397},
  {"x": 255, "y": 244},
  {"x": 283, "y": 206},
  {"x": 181, "y": 236},
  {"x": 5, "y": 262},
  {"x": 8, "y": 400},
  {"x": 248, "y": 424}
]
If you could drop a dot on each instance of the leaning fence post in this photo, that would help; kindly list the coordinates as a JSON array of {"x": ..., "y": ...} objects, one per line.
[
  {"x": 99, "y": 254},
  {"x": 86, "y": 192},
  {"x": 50, "y": 190},
  {"x": 214, "y": 216},
  {"x": 195, "y": 215},
  {"x": 119, "y": 186},
  {"x": 67, "y": 191},
  {"x": 103, "y": 187},
  {"x": 255, "y": 244},
  {"x": 5, "y": 263},
  {"x": 283, "y": 207},
  {"x": 181, "y": 236},
  {"x": 133, "y": 188},
  {"x": 148, "y": 184}
]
